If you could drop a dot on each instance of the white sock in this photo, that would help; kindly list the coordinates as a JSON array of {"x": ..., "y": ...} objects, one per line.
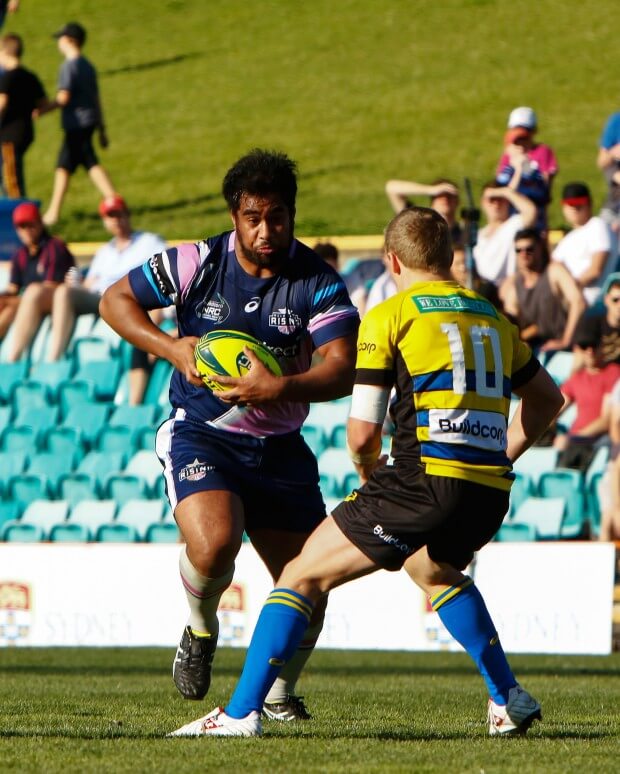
[
  {"x": 284, "y": 684},
  {"x": 203, "y": 596}
]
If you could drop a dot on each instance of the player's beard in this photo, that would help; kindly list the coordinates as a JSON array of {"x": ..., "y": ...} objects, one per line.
[{"x": 272, "y": 261}]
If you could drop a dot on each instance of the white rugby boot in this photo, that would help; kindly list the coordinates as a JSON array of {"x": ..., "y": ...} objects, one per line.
[
  {"x": 218, "y": 723},
  {"x": 516, "y": 716}
]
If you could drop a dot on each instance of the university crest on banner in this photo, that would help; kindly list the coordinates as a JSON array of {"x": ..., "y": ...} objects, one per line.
[
  {"x": 15, "y": 613},
  {"x": 232, "y": 612}
]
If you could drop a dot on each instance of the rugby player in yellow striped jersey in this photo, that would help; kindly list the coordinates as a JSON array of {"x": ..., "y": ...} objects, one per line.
[{"x": 442, "y": 495}]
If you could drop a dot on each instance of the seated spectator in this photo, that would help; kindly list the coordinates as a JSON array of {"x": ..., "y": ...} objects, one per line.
[
  {"x": 586, "y": 388},
  {"x": 494, "y": 252},
  {"x": 483, "y": 287},
  {"x": 127, "y": 249},
  {"x": 527, "y": 166},
  {"x": 608, "y": 162},
  {"x": 444, "y": 196},
  {"x": 586, "y": 249},
  {"x": 609, "y": 490},
  {"x": 328, "y": 252},
  {"x": 542, "y": 296},
  {"x": 37, "y": 268},
  {"x": 606, "y": 324}
]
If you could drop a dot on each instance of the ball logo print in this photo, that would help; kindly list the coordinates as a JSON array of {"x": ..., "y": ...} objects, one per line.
[{"x": 221, "y": 353}]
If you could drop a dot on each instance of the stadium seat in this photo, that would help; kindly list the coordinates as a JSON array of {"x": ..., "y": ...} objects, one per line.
[
  {"x": 10, "y": 375},
  {"x": 64, "y": 441},
  {"x": 522, "y": 488},
  {"x": 82, "y": 329},
  {"x": 314, "y": 436},
  {"x": 544, "y": 514},
  {"x": 104, "y": 376},
  {"x": 42, "y": 515},
  {"x": 116, "y": 438},
  {"x": 123, "y": 487},
  {"x": 41, "y": 419},
  {"x": 76, "y": 487},
  {"x": 536, "y": 460},
  {"x": 91, "y": 349},
  {"x": 593, "y": 498},
  {"x": 163, "y": 533},
  {"x": 560, "y": 365},
  {"x": 38, "y": 348},
  {"x": 510, "y": 532},
  {"x": 116, "y": 533},
  {"x": 158, "y": 489},
  {"x": 51, "y": 466},
  {"x": 328, "y": 415},
  {"x": 569, "y": 484},
  {"x": 30, "y": 394},
  {"x": 338, "y": 437},
  {"x": 598, "y": 464},
  {"x": 73, "y": 393},
  {"x": 24, "y": 489},
  {"x": 21, "y": 438},
  {"x": 329, "y": 486},
  {"x": 52, "y": 374},
  {"x": 92, "y": 514},
  {"x": 69, "y": 533},
  {"x": 9, "y": 511},
  {"x": 5, "y": 416},
  {"x": 12, "y": 463},
  {"x": 100, "y": 465},
  {"x": 102, "y": 330},
  {"x": 146, "y": 465},
  {"x": 140, "y": 514},
  {"x": 88, "y": 418},
  {"x": 134, "y": 417},
  {"x": 16, "y": 532},
  {"x": 159, "y": 383},
  {"x": 337, "y": 463},
  {"x": 145, "y": 437}
]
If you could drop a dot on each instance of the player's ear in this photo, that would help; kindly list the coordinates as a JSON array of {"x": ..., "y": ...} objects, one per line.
[{"x": 393, "y": 263}]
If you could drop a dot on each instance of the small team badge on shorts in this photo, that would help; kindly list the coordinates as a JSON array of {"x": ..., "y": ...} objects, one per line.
[{"x": 195, "y": 471}]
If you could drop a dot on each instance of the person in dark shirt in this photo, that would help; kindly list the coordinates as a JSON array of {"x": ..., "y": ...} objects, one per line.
[
  {"x": 78, "y": 96},
  {"x": 37, "y": 267},
  {"x": 21, "y": 93}
]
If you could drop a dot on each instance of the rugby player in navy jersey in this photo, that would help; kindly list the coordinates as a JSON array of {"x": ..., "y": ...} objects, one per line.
[
  {"x": 454, "y": 362},
  {"x": 235, "y": 460}
]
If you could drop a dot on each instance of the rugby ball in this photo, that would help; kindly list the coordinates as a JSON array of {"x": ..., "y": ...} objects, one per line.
[{"x": 221, "y": 353}]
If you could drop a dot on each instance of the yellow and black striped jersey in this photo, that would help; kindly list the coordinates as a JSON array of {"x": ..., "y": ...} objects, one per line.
[{"x": 454, "y": 361}]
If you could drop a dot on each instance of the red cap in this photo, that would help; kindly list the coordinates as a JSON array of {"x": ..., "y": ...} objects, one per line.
[
  {"x": 516, "y": 134},
  {"x": 114, "y": 203},
  {"x": 26, "y": 212}
]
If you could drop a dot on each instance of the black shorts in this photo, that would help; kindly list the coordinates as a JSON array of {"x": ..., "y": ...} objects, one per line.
[
  {"x": 277, "y": 477},
  {"x": 77, "y": 150},
  {"x": 392, "y": 516}
]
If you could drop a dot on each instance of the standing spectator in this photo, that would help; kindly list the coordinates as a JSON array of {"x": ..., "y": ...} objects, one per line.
[
  {"x": 494, "y": 254},
  {"x": 36, "y": 268},
  {"x": 587, "y": 389},
  {"x": 78, "y": 96},
  {"x": 21, "y": 93},
  {"x": 444, "y": 195},
  {"x": 542, "y": 295},
  {"x": 459, "y": 273},
  {"x": 527, "y": 166},
  {"x": 586, "y": 249},
  {"x": 608, "y": 162},
  {"x": 7, "y": 6}
]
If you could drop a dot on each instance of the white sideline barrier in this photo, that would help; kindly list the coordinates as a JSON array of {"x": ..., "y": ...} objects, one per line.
[{"x": 544, "y": 597}]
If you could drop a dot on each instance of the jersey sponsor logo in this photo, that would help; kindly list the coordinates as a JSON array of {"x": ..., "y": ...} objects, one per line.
[
  {"x": 454, "y": 303},
  {"x": 366, "y": 346},
  {"x": 483, "y": 429},
  {"x": 291, "y": 351},
  {"x": 215, "y": 309},
  {"x": 285, "y": 320},
  {"x": 195, "y": 471},
  {"x": 391, "y": 540},
  {"x": 252, "y": 304}
]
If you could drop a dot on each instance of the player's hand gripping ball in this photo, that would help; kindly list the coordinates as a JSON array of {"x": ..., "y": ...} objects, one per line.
[{"x": 220, "y": 353}]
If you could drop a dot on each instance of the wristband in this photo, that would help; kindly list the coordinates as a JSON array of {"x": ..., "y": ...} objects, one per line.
[{"x": 364, "y": 459}]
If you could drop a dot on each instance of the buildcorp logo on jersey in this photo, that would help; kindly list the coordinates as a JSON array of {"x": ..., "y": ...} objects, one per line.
[
  {"x": 484, "y": 429},
  {"x": 391, "y": 540}
]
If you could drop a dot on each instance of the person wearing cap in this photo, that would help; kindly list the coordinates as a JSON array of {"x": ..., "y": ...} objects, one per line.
[
  {"x": 78, "y": 98},
  {"x": 542, "y": 295},
  {"x": 526, "y": 165},
  {"x": 126, "y": 249},
  {"x": 586, "y": 250},
  {"x": 587, "y": 388},
  {"x": 37, "y": 267},
  {"x": 494, "y": 254},
  {"x": 444, "y": 199},
  {"x": 21, "y": 93}
]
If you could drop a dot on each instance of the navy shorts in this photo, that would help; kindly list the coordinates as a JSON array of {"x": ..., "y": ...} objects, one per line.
[
  {"x": 276, "y": 477},
  {"x": 395, "y": 514},
  {"x": 77, "y": 150}
]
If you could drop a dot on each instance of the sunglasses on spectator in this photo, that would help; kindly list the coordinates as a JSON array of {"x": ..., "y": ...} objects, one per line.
[
  {"x": 614, "y": 299},
  {"x": 29, "y": 224},
  {"x": 529, "y": 249},
  {"x": 114, "y": 214}
]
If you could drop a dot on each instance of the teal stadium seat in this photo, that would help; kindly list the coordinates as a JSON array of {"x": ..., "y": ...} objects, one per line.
[
  {"x": 93, "y": 514},
  {"x": 559, "y": 366},
  {"x": 328, "y": 415},
  {"x": 66, "y": 441},
  {"x": 73, "y": 393},
  {"x": 337, "y": 463},
  {"x": 544, "y": 514},
  {"x": 100, "y": 465},
  {"x": 82, "y": 329},
  {"x": 19, "y": 438},
  {"x": 145, "y": 437},
  {"x": 124, "y": 487},
  {"x": 146, "y": 465},
  {"x": 10, "y": 375},
  {"x": 159, "y": 383},
  {"x": 338, "y": 437},
  {"x": 75, "y": 487},
  {"x": 163, "y": 533},
  {"x": 519, "y": 532},
  {"x": 536, "y": 460},
  {"x": 102, "y": 330},
  {"x": 39, "y": 517},
  {"x": 91, "y": 349},
  {"x": 104, "y": 375},
  {"x": 52, "y": 467},
  {"x": 569, "y": 484},
  {"x": 25, "y": 488},
  {"x": 314, "y": 436},
  {"x": 12, "y": 463},
  {"x": 38, "y": 348},
  {"x": 9, "y": 511},
  {"x": 69, "y": 533},
  {"x": 140, "y": 514},
  {"x": 134, "y": 417},
  {"x": 30, "y": 395},
  {"x": 330, "y": 486},
  {"x": 52, "y": 374},
  {"x": 88, "y": 418},
  {"x": 6, "y": 412},
  {"x": 116, "y": 438},
  {"x": 522, "y": 488},
  {"x": 41, "y": 419},
  {"x": 598, "y": 464}
]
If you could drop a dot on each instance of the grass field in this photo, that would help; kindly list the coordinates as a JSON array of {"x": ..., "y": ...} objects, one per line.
[
  {"x": 106, "y": 710},
  {"x": 356, "y": 91}
]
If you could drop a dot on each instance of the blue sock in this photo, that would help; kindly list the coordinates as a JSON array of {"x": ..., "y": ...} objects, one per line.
[
  {"x": 279, "y": 629},
  {"x": 464, "y": 614}
]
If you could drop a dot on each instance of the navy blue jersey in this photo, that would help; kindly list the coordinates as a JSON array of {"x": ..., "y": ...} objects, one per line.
[{"x": 303, "y": 307}]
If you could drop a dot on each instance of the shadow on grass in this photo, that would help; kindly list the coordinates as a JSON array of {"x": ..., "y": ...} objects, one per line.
[
  {"x": 151, "y": 65},
  {"x": 92, "y": 217}
]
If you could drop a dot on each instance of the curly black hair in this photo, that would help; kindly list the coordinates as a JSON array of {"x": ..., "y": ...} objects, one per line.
[{"x": 261, "y": 172}]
